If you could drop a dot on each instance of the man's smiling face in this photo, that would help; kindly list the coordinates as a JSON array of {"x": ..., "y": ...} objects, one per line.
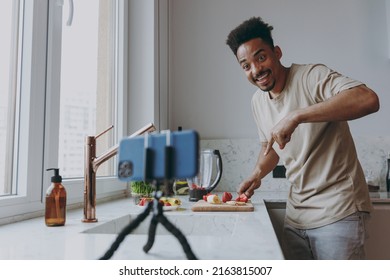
[{"x": 261, "y": 64}]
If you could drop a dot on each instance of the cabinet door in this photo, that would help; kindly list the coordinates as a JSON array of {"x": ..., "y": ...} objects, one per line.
[{"x": 378, "y": 243}]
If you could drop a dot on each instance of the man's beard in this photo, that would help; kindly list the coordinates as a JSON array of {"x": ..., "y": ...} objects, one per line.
[{"x": 268, "y": 88}]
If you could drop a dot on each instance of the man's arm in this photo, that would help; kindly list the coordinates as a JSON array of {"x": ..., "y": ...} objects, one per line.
[
  {"x": 264, "y": 165},
  {"x": 349, "y": 104}
]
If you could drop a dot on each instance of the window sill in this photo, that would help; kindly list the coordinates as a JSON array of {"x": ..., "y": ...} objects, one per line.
[{"x": 108, "y": 189}]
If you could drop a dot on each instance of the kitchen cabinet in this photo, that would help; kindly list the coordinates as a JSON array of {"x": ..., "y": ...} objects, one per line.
[
  {"x": 276, "y": 211},
  {"x": 378, "y": 242}
]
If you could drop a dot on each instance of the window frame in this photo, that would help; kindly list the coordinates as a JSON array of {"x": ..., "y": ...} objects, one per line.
[{"x": 28, "y": 150}]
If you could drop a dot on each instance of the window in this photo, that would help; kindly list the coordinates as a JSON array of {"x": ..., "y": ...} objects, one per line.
[
  {"x": 9, "y": 14},
  {"x": 87, "y": 95},
  {"x": 63, "y": 80}
]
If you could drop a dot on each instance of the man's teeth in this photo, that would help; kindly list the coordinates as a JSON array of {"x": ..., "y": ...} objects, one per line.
[{"x": 265, "y": 75}]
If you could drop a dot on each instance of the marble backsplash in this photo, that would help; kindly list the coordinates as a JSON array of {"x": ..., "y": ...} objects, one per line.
[{"x": 239, "y": 158}]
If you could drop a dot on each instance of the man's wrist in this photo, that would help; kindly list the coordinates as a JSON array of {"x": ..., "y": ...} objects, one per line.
[
  {"x": 297, "y": 117},
  {"x": 257, "y": 174}
]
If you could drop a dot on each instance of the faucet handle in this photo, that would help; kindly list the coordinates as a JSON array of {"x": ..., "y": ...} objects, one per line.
[{"x": 106, "y": 130}]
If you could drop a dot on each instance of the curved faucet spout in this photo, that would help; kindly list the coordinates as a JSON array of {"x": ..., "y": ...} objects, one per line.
[{"x": 92, "y": 163}]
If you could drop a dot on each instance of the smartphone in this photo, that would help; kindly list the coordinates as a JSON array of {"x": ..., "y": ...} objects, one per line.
[{"x": 148, "y": 156}]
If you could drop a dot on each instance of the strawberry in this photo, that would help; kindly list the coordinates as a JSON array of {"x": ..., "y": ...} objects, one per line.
[
  {"x": 242, "y": 198},
  {"x": 226, "y": 196}
]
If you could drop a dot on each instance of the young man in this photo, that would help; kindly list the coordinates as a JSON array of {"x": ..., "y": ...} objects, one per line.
[{"x": 301, "y": 114}]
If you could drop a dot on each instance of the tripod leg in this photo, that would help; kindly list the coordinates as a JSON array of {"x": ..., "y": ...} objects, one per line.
[
  {"x": 127, "y": 230},
  {"x": 152, "y": 234},
  {"x": 179, "y": 235}
]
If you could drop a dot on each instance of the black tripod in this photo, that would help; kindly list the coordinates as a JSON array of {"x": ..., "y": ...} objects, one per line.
[
  {"x": 156, "y": 207},
  {"x": 158, "y": 217}
]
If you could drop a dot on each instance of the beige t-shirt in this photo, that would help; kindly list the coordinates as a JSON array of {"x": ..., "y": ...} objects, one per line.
[{"x": 327, "y": 181}]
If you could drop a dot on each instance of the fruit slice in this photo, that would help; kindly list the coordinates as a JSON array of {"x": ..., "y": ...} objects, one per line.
[
  {"x": 174, "y": 201},
  {"x": 242, "y": 198},
  {"x": 226, "y": 196},
  {"x": 235, "y": 203},
  {"x": 214, "y": 199}
]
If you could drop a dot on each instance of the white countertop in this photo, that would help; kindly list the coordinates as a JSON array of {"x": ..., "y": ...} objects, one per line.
[{"x": 212, "y": 235}]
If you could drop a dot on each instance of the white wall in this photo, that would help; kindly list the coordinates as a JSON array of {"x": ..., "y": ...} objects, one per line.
[
  {"x": 388, "y": 25},
  {"x": 209, "y": 92}
]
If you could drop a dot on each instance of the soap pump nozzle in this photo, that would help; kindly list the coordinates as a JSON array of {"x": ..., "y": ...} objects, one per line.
[{"x": 56, "y": 178}]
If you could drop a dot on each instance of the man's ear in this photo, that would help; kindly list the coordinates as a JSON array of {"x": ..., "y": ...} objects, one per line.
[{"x": 278, "y": 52}]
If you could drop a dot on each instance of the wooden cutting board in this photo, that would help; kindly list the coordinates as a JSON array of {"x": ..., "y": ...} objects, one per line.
[{"x": 203, "y": 206}]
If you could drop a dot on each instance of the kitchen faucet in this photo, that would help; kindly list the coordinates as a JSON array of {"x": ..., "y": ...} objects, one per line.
[{"x": 92, "y": 163}]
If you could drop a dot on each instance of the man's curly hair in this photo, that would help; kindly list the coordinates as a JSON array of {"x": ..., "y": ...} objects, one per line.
[{"x": 252, "y": 28}]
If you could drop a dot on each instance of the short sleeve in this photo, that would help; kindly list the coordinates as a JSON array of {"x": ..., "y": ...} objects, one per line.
[
  {"x": 324, "y": 83},
  {"x": 257, "y": 118}
]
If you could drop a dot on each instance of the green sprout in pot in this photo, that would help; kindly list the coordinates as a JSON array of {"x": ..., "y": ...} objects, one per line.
[{"x": 141, "y": 188}]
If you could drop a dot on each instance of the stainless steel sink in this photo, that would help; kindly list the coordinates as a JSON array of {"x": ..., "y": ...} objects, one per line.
[{"x": 198, "y": 224}]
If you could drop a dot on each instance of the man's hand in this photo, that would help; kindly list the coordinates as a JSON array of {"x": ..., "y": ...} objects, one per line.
[
  {"x": 249, "y": 185},
  {"x": 347, "y": 105},
  {"x": 282, "y": 132},
  {"x": 264, "y": 165}
]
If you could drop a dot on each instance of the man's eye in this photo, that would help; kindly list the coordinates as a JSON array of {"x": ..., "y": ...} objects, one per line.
[
  {"x": 261, "y": 57},
  {"x": 245, "y": 66}
]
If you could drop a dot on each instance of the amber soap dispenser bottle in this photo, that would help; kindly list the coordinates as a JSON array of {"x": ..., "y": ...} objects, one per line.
[{"x": 55, "y": 207}]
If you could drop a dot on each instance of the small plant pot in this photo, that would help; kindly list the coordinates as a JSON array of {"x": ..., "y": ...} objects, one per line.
[
  {"x": 139, "y": 190},
  {"x": 136, "y": 197}
]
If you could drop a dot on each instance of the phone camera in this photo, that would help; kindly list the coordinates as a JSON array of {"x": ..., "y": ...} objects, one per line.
[{"x": 125, "y": 169}]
